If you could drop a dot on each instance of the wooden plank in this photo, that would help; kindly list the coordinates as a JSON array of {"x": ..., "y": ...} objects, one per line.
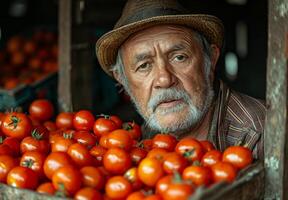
[
  {"x": 276, "y": 157},
  {"x": 64, "y": 61},
  {"x": 248, "y": 186}
]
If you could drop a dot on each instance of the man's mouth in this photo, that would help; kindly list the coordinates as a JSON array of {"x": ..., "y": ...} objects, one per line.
[{"x": 168, "y": 103}]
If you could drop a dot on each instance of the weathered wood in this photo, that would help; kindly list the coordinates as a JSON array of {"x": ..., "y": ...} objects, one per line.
[
  {"x": 248, "y": 186},
  {"x": 276, "y": 157},
  {"x": 64, "y": 61},
  {"x": 9, "y": 193}
]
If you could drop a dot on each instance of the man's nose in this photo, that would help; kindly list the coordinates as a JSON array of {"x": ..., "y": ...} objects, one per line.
[{"x": 165, "y": 76}]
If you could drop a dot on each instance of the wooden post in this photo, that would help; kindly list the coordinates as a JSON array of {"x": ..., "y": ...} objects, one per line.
[
  {"x": 276, "y": 134},
  {"x": 64, "y": 62}
]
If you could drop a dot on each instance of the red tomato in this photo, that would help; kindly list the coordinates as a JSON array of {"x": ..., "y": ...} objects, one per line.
[
  {"x": 103, "y": 126},
  {"x": 85, "y": 138},
  {"x": 164, "y": 141},
  {"x": 150, "y": 171},
  {"x": 80, "y": 155},
  {"x": 137, "y": 154},
  {"x": 147, "y": 144},
  {"x": 207, "y": 145},
  {"x": 199, "y": 175},
  {"x": 132, "y": 176},
  {"x": 157, "y": 153},
  {"x": 69, "y": 177},
  {"x": 50, "y": 126},
  {"x": 119, "y": 138},
  {"x": 117, "y": 161},
  {"x": 14, "y": 144},
  {"x": 55, "y": 161},
  {"x": 83, "y": 120},
  {"x": 62, "y": 144},
  {"x": 6, "y": 164},
  {"x": 239, "y": 156},
  {"x": 92, "y": 177},
  {"x": 6, "y": 150},
  {"x": 16, "y": 125},
  {"x": 35, "y": 142},
  {"x": 163, "y": 183},
  {"x": 65, "y": 120},
  {"x": 190, "y": 148},
  {"x": 211, "y": 157},
  {"x": 22, "y": 177},
  {"x": 177, "y": 191},
  {"x": 118, "y": 187},
  {"x": 116, "y": 120},
  {"x": 137, "y": 195},
  {"x": 41, "y": 109},
  {"x": 88, "y": 193},
  {"x": 134, "y": 130},
  {"x": 223, "y": 171},
  {"x": 174, "y": 162},
  {"x": 46, "y": 188},
  {"x": 35, "y": 161},
  {"x": 98, "y": 153},
  {"x": 103, "y": 141}
]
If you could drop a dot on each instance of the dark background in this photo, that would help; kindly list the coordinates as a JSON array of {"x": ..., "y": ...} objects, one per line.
[{"x": 100, "y": 15}]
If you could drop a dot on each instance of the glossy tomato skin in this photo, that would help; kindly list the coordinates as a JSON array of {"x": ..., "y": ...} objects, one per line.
[
  {"x": 174, "y": 162},
  {"x": 6, "y": 164},
  {"x": 46, "y": 188},
  {"x": 119, "y": 138},
  {"x": 14, "y": 144},
  {"x": 117, "y": 121},
  {"x": 41, "y": 109},
  {"x": 65, "y": 120},
  {"x": 157, "y": 153},
  {"x": 88, "y": 193},
  {"x": 104, "y": 126},
  {"x": 70, "y": 177},
  {"x": 190, "y": 148},
  {"x": 62, "y": 144},
  {"x": 132, "y": 176},
  {"x": 22, "y": 177},
  {"x": 92, "y": 177},
  {"x": 6, "y": 150},
  {"x": 37, "y": 158},
  {"x": 117, "y": 161},
  {"x": 137, "y": 154},
  {"x": 207, "y": 145},
  {"x": 133, "y": 129},
  {"x": 239, "y": 156},
  {"x": 32, "y": 144},
  {"x": 83, "y": 120},
  {"x": 223, "y": 171},
  {"x": 86, "y": 138},
  {"x": 150, "y": 171},
  {"x": 50, "y": 126},
  {"x": 164, "y": 141},
  {"x": 80, "y": 155},
  {"x": 55, "y": 161},
  {"x": 177, "y": 191},
  {"x": 98, "y": 153},
  {"x": 163, "y": 183},
  {"x": 211, "y": 157},
  {"x": 199, "y": 175},
  {"x": 118, "y": 187},
  {"x": 16, "y": 125},
  {"x": 137, "y": 195}
]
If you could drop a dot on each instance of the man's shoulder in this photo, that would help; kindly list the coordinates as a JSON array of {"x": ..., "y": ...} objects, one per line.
[{"x": 246, "y": 111}]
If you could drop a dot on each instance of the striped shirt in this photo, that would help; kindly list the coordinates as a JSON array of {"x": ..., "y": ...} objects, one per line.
[{"x": 237, "y": 119}]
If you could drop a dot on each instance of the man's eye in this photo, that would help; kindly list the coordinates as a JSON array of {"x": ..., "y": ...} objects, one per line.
[
  {"x": 143, "y": 66},
  {"x": 179, "y": 58}
]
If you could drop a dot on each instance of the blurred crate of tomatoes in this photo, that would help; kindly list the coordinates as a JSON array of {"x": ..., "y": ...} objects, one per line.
[{"x": 28, "y": 68}]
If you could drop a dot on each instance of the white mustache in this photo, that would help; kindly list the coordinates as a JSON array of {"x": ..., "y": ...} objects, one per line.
[{"x": 169, "y": 94}]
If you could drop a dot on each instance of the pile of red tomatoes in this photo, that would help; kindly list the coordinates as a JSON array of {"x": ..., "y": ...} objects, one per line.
[{"x": 83, "y": 156}]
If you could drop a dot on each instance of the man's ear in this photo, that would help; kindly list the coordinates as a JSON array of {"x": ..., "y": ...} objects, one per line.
[
  {"x": 214, "y": 56},
  {"x": 117, "y": 77}
]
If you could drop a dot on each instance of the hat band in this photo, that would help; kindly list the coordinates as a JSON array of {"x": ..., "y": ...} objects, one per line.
[{"x": 148, "y": 13}]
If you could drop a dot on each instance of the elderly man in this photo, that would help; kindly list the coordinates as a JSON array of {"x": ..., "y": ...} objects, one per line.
[{"x": 165, "y": 59}]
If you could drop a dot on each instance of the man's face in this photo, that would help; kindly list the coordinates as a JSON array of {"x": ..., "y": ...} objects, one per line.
[{"x": 164, "y": 67}]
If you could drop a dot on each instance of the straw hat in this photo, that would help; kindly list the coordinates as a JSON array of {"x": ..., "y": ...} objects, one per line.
[{"x": 141, "y": 14}]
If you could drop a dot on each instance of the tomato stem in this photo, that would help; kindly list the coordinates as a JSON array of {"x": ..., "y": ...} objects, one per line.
[{"x": 14, "y": 121}]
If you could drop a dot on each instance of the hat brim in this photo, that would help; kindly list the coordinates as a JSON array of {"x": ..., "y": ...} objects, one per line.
[{"x": 107, "y": 46}]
